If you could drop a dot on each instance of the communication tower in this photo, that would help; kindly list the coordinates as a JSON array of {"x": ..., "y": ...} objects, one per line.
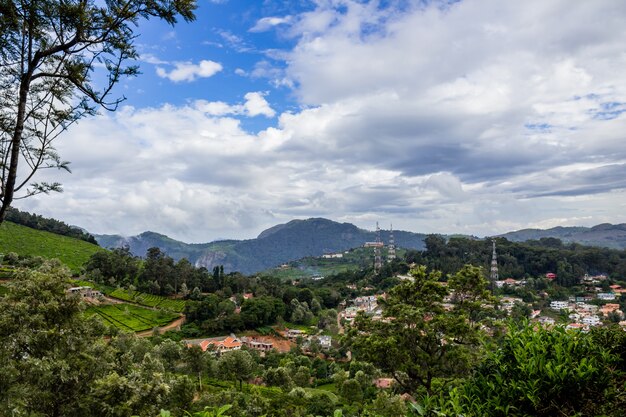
[
  {"x": 378, "y": 262},
  {"x": 494, "y": 267},
  {"x": 391, "y": 252}
]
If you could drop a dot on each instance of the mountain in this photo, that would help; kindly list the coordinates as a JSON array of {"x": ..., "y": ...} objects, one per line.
[
  {"x": 23, "y": 240},
  {"x": 274, "y": 246},
  {"x": 604, "y": 235}
]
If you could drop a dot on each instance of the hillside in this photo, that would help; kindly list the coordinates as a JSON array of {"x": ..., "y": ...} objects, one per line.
[
  {"x": 604, "y": 235},
  {"x": 26, "y": 241},
  {"x": 282, "y": 243}
]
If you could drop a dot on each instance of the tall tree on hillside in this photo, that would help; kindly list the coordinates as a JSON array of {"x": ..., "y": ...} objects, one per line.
[
  {"x": 419, "y": 340},
  {"x": 50, "y": 51},
  {"x": 48, "y": 353}
]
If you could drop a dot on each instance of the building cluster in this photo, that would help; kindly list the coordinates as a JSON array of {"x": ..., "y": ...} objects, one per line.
[
  {"x": 583, "y": 315},
  {"x": 293, "y": 335},
  {"x": 510, "y": 282},
  {"x": 367, "y": 304}
]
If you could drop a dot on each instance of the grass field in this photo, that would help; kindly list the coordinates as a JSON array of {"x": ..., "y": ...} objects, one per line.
[
  {"x": 149, "y": 300},
  {"x": 131, "y": 317},
  {"x": 26, "y": 241}
]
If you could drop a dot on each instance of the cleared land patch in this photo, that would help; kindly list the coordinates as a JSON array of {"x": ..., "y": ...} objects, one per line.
[
  {"x": 149, "y": 300},
  {"x": 131, "y": 317}
]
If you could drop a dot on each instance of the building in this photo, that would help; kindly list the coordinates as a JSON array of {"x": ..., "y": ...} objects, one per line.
[
  {"x": 606, "y": 296},
  {"x": 575, "y": 326},
  {"x": 558, "y": 305},
  {"x": 609, "y": 308},
  {"x": 332, "y": 255},
  {"x": 592, "y": 320},
  {"x": 219, "y": 346},
  {"x": 258, "y": 345},
  {"x": 293, "y": 334},
  {"x": 85, "y": 292},
  {"x": 325, "y": 341},
  {"x": 546, "y": 320}
]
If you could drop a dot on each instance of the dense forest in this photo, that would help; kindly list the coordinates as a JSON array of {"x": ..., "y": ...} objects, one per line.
[{"x": 531, "y": 259}]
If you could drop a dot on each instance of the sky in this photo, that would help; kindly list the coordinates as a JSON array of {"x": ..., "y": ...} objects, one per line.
[{"x": 474, "y": 116}]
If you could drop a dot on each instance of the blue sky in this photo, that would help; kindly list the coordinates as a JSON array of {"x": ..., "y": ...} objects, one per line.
[{"x": 476, "y": 116}]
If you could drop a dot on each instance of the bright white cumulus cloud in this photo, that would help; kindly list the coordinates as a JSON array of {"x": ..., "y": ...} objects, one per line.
[
  {"x": 476, "y": 117},
  {"x": 188, "y": 71},
  {"x": 267, "y": 23},
  {"x": 255, "y": 105}
]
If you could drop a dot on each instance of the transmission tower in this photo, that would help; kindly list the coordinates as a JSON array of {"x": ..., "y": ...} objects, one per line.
[
  {"x": 391, "y": 252},
  {"x": 494, "y": 267},
  {"x": 378, "y": 262}
]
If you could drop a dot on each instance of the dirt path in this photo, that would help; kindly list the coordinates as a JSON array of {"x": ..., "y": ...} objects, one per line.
[
  {"x": 175, "y": 325},
  {"x": 339, "y": 326}
]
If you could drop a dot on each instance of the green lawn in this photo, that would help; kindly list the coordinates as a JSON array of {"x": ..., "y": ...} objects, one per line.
[
  {"x": 149, "y": 300},
  {"x": 131, "y": 317},
  {"x": 26, "y": 241}
]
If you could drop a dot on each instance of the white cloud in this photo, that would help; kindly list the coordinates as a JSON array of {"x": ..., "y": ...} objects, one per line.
[
  {"x": 480, "y": 118},
  {"x": 266, "y": 23},
  {"x": 255, "y": 105},
  {"x": 188, "y": 71}
]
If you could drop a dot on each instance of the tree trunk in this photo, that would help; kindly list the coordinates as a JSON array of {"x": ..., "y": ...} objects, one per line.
[{"x": 16, "y": 140}]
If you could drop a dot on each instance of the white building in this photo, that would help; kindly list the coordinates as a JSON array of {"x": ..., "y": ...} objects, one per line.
[
  {"x": 558, "y": 305},
  {"x": 593, "y": 320},
  {"x": 606, "y": 296}
]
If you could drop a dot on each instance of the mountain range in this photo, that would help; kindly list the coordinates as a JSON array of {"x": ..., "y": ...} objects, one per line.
[
  {"x": 317, "y": 236},
  {"x": 274, "y": 246},
  {"x": 604, "y": 235}
]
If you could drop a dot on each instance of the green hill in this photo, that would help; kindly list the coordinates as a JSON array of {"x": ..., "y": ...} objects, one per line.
[{"x": 26, "y": 241}]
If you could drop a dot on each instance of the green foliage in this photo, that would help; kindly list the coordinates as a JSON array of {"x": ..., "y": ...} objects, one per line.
[
  {"x": 541, "y": 372},
  {"x": 25, "y": 241},
  {"x": 420, "y": 341},
  {"x": 237, "y": 365},
  {"x": 522, "y": 260},
  {"x": 212, "y": 412},
  {"x": 48, "y": 354},
  {"x": 50, "y": 52}
]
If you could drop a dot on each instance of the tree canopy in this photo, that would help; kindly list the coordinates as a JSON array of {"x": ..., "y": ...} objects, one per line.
[{"x": 51, "y": 53}]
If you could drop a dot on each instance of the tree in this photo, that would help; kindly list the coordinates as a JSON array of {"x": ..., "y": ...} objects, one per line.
[
  {"x": 197, "y": 362},
  {"x": 237, "y": 365},
  {"x": 419, "y": 340},
  {"x": 351, "y": 390},
  {"x": 50, "y": 51},
  {"x": 48, "y": 353}
]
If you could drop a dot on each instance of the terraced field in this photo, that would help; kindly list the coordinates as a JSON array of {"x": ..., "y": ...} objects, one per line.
[
  {"x": 149, "y": 300},
  {"x": 131, "y": 317}
]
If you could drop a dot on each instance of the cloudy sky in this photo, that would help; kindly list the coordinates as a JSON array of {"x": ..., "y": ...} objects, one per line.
[{"x": 477, "y": 116}]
